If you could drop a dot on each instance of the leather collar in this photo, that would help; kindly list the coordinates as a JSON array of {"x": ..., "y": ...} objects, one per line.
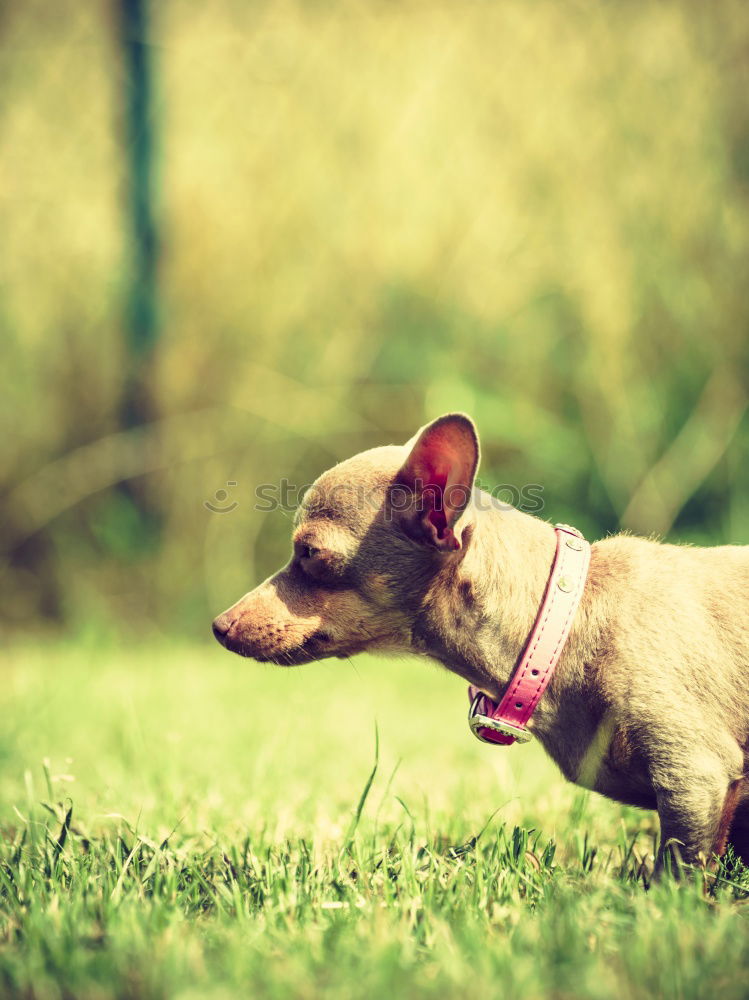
[{"x": 505, "y": 722}]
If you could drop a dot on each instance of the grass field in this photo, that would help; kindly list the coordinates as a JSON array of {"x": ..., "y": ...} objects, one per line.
[{"x": 182, "y": 823}]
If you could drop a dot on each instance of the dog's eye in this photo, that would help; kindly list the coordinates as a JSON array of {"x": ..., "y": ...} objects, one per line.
[{"x": 320, "y": 565}]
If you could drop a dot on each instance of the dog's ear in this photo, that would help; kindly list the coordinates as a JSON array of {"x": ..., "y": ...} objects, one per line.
[{"x": 435, "y": 484}]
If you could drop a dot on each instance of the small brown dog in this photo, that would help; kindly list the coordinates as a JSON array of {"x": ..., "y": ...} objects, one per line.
[{"x": 649, "y": 703}]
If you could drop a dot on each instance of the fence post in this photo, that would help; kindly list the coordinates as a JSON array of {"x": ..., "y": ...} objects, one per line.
[{"x": 141, "y": 324}]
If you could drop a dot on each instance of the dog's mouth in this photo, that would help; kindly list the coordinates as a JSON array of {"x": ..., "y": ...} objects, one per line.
[{"x": 317, "y": 646}]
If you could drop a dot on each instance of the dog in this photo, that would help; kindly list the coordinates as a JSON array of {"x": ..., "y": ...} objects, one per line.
[{"x": 397, "y": 550}]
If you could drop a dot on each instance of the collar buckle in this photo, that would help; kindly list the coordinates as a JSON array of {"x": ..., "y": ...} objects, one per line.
[{"x": 477, "y": 721}]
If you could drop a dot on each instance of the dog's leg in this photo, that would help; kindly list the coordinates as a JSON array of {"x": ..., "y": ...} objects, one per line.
[
  {"x": 727, "y": 816},
  {"x": 695, "y": 808},
  {"x": 738, "y": 837}
]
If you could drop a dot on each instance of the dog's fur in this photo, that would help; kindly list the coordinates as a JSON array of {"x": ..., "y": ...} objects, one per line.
[{"x": 395, "y": 549}]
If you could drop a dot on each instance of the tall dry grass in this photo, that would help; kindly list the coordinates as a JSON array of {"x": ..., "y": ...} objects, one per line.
[{"x": 370, "y": 213}]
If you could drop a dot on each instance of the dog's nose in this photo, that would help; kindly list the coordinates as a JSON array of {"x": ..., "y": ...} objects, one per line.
[{"x": 221, "y": 626}]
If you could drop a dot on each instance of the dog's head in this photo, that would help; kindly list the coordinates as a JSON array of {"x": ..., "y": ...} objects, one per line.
[{"x": 371, "y": 535}]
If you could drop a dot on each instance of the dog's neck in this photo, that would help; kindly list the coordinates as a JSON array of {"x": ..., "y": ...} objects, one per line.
[{"x": 481, "y": 607}]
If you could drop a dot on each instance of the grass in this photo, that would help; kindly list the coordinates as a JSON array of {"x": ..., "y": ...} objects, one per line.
[{"x": 180, "y": 823}]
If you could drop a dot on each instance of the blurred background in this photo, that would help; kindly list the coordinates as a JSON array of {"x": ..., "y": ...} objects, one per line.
[{"x": 245, "y": 239}]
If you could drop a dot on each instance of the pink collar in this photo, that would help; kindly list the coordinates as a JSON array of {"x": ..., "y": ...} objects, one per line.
[{"x": 505, "y": 722}]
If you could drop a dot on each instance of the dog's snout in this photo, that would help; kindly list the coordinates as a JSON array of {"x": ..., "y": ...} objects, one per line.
[
  {"x": 221, "y": 626},
  {"x": 276, "y": 624}
]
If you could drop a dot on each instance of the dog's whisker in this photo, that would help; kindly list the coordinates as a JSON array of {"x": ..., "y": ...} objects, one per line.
[{"x": 354, "y": 667}]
